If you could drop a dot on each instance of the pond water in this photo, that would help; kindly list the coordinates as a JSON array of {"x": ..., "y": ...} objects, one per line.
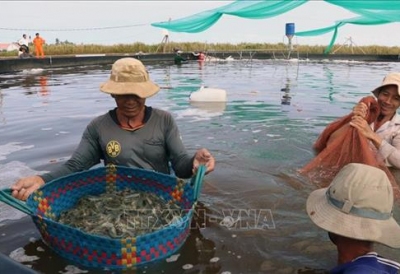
[{"x": 254, "y": 201}]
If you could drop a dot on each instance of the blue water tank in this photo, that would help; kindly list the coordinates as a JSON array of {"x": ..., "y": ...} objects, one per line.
[{"x": 290, "y": 29}]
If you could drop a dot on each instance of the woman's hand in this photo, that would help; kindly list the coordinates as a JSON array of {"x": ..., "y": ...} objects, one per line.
[
  {"x": 203, "y": 157},
  {"x": 364, "y": 128},
  {"x": 26, "y": 186},
  {"x": 361, "y": 109}
]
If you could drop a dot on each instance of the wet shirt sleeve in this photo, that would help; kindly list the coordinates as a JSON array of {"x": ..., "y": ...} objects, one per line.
[
  {"x": 389, "y": 149},
  {"x": 391, "y": 152},
  {"x": 182, "y": 162},
  {"x": 84, "y": 157}
]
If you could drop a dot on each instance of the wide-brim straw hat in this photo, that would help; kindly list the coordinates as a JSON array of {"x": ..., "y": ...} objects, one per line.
[
  {"x": 358, "y": 205},
  {"x": 129, "y": 77},
  {"x": 390, "y": 79}
]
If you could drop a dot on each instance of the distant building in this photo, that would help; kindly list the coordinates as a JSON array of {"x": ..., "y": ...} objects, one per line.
[{"x": 8, "y": 46}]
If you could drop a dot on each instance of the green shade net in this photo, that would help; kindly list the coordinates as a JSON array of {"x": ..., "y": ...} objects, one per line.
[
  {"x": 242, "y": 8},
  {"x": 370, "y": 13},
  {"x": 357, "y": 21}
]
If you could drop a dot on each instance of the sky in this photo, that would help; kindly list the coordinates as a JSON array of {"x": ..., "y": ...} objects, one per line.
[{"x": 99, "y": 22}]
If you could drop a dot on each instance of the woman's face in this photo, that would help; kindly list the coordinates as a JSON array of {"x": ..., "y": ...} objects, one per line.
[{"x": 389, "y": 100}]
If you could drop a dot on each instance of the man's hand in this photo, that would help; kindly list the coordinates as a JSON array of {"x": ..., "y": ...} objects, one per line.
[
  {"x": 26, "y": 186},
  {"x": 203, "y": 157}
]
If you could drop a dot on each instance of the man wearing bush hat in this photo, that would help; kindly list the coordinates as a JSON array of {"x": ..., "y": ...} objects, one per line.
[
  {"x": 356, "y": 210},
  {"x": 132, "y": 134}
]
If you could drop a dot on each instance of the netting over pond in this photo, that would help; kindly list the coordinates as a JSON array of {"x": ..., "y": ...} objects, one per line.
[{"x": 370, "y": 13}]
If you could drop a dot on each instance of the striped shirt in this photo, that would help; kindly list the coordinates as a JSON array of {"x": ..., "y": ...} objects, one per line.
[{"x": 370, "y": 263}]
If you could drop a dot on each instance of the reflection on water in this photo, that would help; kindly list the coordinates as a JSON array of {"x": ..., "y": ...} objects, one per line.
[
  {"x": 2, "y": 116},
  {"x": 286, "y": 96},
  {"x": 33, "y": 83},
  {"x": 260, "y": 137},
  {"x": 44, "y": 89},
  {"x": 329, "y": 75}
]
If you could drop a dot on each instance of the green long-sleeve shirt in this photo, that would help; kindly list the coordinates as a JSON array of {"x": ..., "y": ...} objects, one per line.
[
  {"x": 178, "y": 59},
  {"x": 152, "y": 146}
]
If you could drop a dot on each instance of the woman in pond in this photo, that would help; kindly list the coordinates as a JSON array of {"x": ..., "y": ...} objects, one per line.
[{"x": 384, "y": 132}]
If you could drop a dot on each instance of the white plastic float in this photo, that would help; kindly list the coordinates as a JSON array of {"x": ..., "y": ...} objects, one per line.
[
  {"x": 208, "y": 95},
  {"x": 209, "y": 109},
  {"x": 32, "y": 71},
  {"x": 216, "y": 59}
]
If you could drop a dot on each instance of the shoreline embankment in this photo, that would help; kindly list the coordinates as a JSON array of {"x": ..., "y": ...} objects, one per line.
[{"x": 11, "y": 65}]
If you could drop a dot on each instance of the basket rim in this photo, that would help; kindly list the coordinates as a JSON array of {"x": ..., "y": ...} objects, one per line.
[{"x": 117, "y": 167}]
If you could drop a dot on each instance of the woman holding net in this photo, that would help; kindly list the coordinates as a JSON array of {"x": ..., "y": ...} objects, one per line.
[{"x": 370, "y": 134}]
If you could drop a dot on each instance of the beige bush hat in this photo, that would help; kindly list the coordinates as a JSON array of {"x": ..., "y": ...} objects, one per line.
[
  {"x": 390, "y": 79},
  {"x": 358, "y": 204},
  {"x": 129, "y": 76}
]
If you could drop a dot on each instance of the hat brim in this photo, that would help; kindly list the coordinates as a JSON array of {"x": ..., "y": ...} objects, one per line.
[
  {"x": 376, "y": 91},
  {"x": 143, "y": 90},
  {"x": 331, "y": 219}
]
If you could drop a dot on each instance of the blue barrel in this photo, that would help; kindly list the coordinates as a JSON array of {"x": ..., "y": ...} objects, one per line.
[{"x": 290, "y": 29}]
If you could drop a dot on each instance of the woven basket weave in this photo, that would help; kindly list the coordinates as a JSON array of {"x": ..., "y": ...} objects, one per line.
[{"x": 91, "y": 250}]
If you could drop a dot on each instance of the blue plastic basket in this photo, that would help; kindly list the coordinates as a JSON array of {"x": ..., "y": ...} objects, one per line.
[{"x": 46, "y": 204}]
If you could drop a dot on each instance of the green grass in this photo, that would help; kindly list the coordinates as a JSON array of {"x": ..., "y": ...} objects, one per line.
[{"x": 72, "y": 49}]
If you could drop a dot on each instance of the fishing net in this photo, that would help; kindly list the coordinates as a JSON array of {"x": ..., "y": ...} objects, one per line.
[{"x": 340, "y": 144}]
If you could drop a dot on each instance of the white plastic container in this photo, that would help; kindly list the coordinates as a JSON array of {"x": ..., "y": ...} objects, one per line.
[{"x": 208, "y": 95}]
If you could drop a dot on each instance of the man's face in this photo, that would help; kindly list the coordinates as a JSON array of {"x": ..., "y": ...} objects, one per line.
[{"x": 129, "y": 105}]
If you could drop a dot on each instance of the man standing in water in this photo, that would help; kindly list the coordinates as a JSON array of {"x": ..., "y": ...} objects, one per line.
[
  {"x": 356, "y": 210},
  {"x": 132, "y": 134},
  {"x": 178, "y": 59}
]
